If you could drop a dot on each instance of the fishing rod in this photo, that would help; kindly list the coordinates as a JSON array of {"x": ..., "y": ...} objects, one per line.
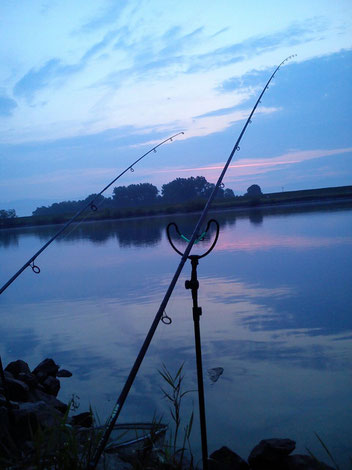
[
  {"x": 91, "y": 204},
  {"x": 195, "y": 235}
]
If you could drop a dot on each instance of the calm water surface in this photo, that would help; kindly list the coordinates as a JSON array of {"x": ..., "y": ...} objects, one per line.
[{"x": 276, "y": 298}]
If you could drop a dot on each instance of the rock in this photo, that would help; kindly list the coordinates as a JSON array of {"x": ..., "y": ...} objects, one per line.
[
  {"x": 50, "y": 400},
  {"x": 51, "y": 385},
  {"x": 226, "y": 459},
  {"x": 4, "y": 403},
  {"x": 64, "y": 373},
  {"x": 25, "y": 425},
  {"x": 305, "y": 462},
  {"x": 83, "y": 419},
  {"x": 16, "y": 367},
  {"x": 8, "y": 375},
  {"x": 28, "y": 378},
  {"x": 270, "y": 454},
  {"x": 17, "y": 390},
  {"x": 44, "y": 416},
  {"x": 4, "y": 420},
  {"x": 45, "y": 368}
]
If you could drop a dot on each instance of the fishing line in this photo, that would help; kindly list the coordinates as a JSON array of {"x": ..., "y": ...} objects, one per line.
[
  {"x": 130, "y": 379},
  {"x": 90, "y": 204}
]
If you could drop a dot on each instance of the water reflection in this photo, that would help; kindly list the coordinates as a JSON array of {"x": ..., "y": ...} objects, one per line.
[
  {"x": 276, "y": 300},
  {"x": 138, "y": 232},
  {"x": 8, "y": 238},
  {"x": 256, "y": 217}
]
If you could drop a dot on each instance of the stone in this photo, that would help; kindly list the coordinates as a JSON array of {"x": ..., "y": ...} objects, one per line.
[
  {"x": 16, "y": 367},
  {"x": 30, "y": 379},
  {"x": 83, "y": 419},
  {"x": 17, "y": 390},
  {"x": 45, "y": 368},
  {"x": 4, "y": 420},
  {"x": 226, "y": 459},
  {"x": 8, "y": 375},
  {"x": 25, "y": 425},
  {"x": 64, "y": 373},
  {"x": 44, "y": 416},
  {"x": 50, "y": 400},
  {"x": 305, "y": 462},
  {"x": 270, "y": 454},
  {"x": 3, "y": 402},
  {"x": 51, "y": 385}
]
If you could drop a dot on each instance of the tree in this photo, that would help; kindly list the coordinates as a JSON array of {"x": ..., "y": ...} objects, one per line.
[
  {"x": 228, "y": 193},
  {"x": 254, "y": 191},
  {"x": 142, "y": 194},
  {"x": 187, "y": 189},
  {"x": 8, "y": 214}
]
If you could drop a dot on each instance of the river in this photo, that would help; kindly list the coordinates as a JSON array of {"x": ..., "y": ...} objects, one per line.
[{"x": 276, "y": 298}]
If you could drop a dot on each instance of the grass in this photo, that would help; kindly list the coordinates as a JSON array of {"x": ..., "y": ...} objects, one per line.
[
  {"x": 58, "y": 447},
  {"x": 174, "y": 453},
  {"x": 64, "y": 447}
]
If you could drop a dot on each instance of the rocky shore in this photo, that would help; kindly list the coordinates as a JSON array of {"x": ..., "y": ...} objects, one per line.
[{"x": 29, "y": 407}]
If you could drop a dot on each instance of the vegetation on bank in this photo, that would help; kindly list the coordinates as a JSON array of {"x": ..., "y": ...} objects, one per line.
[{"x": 183, "y": 195}]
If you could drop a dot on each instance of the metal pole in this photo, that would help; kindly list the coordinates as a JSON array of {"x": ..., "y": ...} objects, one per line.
[{"x": 193, "y": 284}]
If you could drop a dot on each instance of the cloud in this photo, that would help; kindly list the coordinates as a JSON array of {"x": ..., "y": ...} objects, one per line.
[
  {"x": 101, "y": 45},
  {"x": 7, "y": 106},
  {"x": 54, "y": 69},
  {"x": 36, "y": 79},
  {"x": 175, "y": 52},
  {"x": 297, "y": 33},
  {"x": 255, "y": 166},
  {"x": 251, "y": 79},
  {"x": 106, "y": 16},
  {"x": 207, "y": 124}
]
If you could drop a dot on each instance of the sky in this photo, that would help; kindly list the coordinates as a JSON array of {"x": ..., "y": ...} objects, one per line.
[{"x": 87, "y": 87}]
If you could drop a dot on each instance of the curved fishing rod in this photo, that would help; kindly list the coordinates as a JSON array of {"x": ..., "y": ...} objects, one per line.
[
  {"x": 90, "y": 204},
  {"x": 130, "y": 379}
]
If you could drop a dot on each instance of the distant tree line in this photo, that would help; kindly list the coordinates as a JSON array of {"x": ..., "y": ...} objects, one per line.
[
  {"x": 178, "y": 191},
  {"x": 7, "y": 214}
]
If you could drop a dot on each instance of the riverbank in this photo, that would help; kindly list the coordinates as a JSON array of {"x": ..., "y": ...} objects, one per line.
[
  {"x": 37, "y": 431},
  {"x": 313, "y": 199}
]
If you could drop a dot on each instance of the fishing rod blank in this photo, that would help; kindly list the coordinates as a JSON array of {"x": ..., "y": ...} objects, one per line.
[
  {"x": 91, "y": 204},
  {"x": 132, "y": 375}
]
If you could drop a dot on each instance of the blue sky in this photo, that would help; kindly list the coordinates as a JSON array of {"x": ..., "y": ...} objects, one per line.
[{"x": 87, "y": 87}]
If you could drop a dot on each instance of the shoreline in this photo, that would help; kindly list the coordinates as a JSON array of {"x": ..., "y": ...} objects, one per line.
[{"x": 244, "y": 208}]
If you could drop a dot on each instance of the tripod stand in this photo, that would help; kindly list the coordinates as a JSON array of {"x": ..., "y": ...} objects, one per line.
[{"x": 193, "y": 285}]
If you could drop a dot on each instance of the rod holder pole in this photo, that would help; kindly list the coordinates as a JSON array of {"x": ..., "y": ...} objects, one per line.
[{"x": 193, "y": 284}]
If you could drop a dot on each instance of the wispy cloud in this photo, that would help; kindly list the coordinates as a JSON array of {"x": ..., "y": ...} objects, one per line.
[
  {"x": 7, "y": 106},
  {"x": 255, "y": 166},
  {"x": 37, "y": 79},
  {"x": 206, "y": 125},
  {"x": 295, "y": 34},
  {"x": 106, "y": 17},
  {"x": 55, "y": 70}
]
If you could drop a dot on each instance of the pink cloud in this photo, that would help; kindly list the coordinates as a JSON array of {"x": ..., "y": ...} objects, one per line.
[{"x": 256, "y": 166}]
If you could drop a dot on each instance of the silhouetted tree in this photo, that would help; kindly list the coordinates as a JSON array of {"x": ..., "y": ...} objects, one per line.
[
  {"x": 187, "y": 189},
  {"x": 254, "y": 190},
  {"x": 228, "y": 193},
  {"x": 71, "y": 207},
  {"x": 142, "y": 194},
  {"x": 7, "y": 214}
]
